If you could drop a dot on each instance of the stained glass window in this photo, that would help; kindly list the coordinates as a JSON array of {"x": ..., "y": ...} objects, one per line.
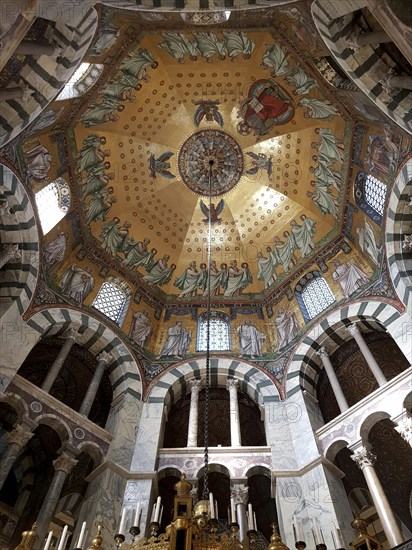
[
  {"x": 375, "y": 193},
  {"x": 313, "y": 294},
  {"x": 113, "y": 299},
  {"x": 53, "y": 202},
  {"x": 219, "y": 332}
]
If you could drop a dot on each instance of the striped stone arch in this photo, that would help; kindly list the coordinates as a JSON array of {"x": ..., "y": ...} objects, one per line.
[
  {"x": 124, "y": 372},
  {"x": 399, "y": 223},
  {"x": 173, "y": 384},
  {"x": 18, "y": 226},
  {"x": 305, "y": 365},
  {"x": 362, "y": 67},
  {"x": 46, "y": 75}
]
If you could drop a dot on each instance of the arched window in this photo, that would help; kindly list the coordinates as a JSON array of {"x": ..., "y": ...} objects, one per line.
[
  {"x": 113, "y": 299},
  {"x": 313, "y": 295},
  {"x": 83, "y": 78},
  {"x": 219, "y": 332},
  {"x": 53, "y": 203},
  {"x": 370, "y": 195},
  {"x": 375, "y": 193}
]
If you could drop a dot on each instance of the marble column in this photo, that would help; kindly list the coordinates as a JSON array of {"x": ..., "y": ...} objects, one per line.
[
  {"x": 59, "y": 361},
  {"x": 104, "y": 359},
  {"x": 29, "y": 47},
  {"x": 391, "y": 81},
  {"x": 366, "y": 352},
  {"x": 195, "y": 386},
  {"x": 404, "y": 427},
  {"x": 62, "y": 467},
  {"x": 16, "y": 440},
  {"x": 232, "y": 385},
  {"x": 333, "y": 379},
  {"x": 359, "y": 39},
  {"x": 240, "y": 494},
  {"x": 365, "y": 460}
]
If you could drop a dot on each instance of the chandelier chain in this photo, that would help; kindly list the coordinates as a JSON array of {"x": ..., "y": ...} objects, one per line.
[{"x": 208, "y": 316}]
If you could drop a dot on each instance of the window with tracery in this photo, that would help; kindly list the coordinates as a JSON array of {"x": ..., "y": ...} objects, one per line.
[
  {"x": 219, "y": 332},
  {"x": 375, "y": 193},
  {"x": 113, "y": 299},
  {"x": 53, "y": 203},
  {"x": 370, "y": 196},
  {"x": 313, "y": 295}
]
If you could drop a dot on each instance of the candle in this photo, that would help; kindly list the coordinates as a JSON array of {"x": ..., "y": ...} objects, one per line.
[
  {"x": 250, "y": 517},
  {"x": 122, "y": 522},
  {"x": 233, "y": 510},
  {"x": 49, "y": 541},
  {"x": 337, "y": 537},
  {"x": 62, "y": 543},
  {"x": 82, "y": 535},
  {"x": 254, "y": 521},
  {"x": 216, "y": 510},
  {"x": 299, "y": 533},
  {"x": 211, "y": 506},
  {"x": 316, "y": 532},
  {"x": 161, "y": 513},
  {"x": 157, "y": 513},
  {"x": 136, "y": 521}
]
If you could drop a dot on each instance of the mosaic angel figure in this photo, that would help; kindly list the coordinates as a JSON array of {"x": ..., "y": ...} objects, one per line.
[
  {"x": 161, "y": 165},
  {"x": 137, "y": 63},
  {"x": 367, "y": 242},
  {"x": 259, "y": 162},
  {"x": 236, "y": 43},
  {"x": 300, "y": 81},
  {"x": 209, "y": 45},
  {"x": 178, "y": 45},
  {"x": 207, "y": 110},
  {"x": 274, "y": 58},
  {"x": 317, "y": 108}
]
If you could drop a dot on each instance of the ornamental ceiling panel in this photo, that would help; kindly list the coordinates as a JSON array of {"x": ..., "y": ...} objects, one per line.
[{"x": 228, "y": 125}]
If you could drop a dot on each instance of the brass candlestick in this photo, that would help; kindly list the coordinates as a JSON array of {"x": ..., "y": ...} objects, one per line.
[
  {"x": 119, "y": 540},
  {"x": 28, "y": 538},
  {"x": 154, "y": 528},
  {"x": 134, "y": 531},
  {"x": 234, "y": 528},
  {"x": 252, "y": 536},
  {"x": 97, "y": 541}
]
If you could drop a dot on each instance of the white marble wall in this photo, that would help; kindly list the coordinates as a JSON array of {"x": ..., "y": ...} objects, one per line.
[
  {"x": 316, "y": 496},
  {"x": 149, "y": 438}
]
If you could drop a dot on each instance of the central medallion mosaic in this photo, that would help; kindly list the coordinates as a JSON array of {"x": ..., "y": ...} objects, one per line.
[{"x": 210, "y": 151}]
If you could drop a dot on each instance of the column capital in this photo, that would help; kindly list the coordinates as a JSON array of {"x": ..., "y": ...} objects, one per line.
[
  {"x": 19, "y": 436},
  {"x": 404, "y": 428},
  {"x": 105, "y": 357},
  {"x": 363, "y": 457},
  {"x": 232, "y": 383},
  {"x": 240, "y": 494},
  {"x": 64, "y": 463},
  {"x": 322, "y": 352},
  {"x": 195, "y": 384},
  {"x": 353, "y": 329},
  {"x": 71, "y": 333}
]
